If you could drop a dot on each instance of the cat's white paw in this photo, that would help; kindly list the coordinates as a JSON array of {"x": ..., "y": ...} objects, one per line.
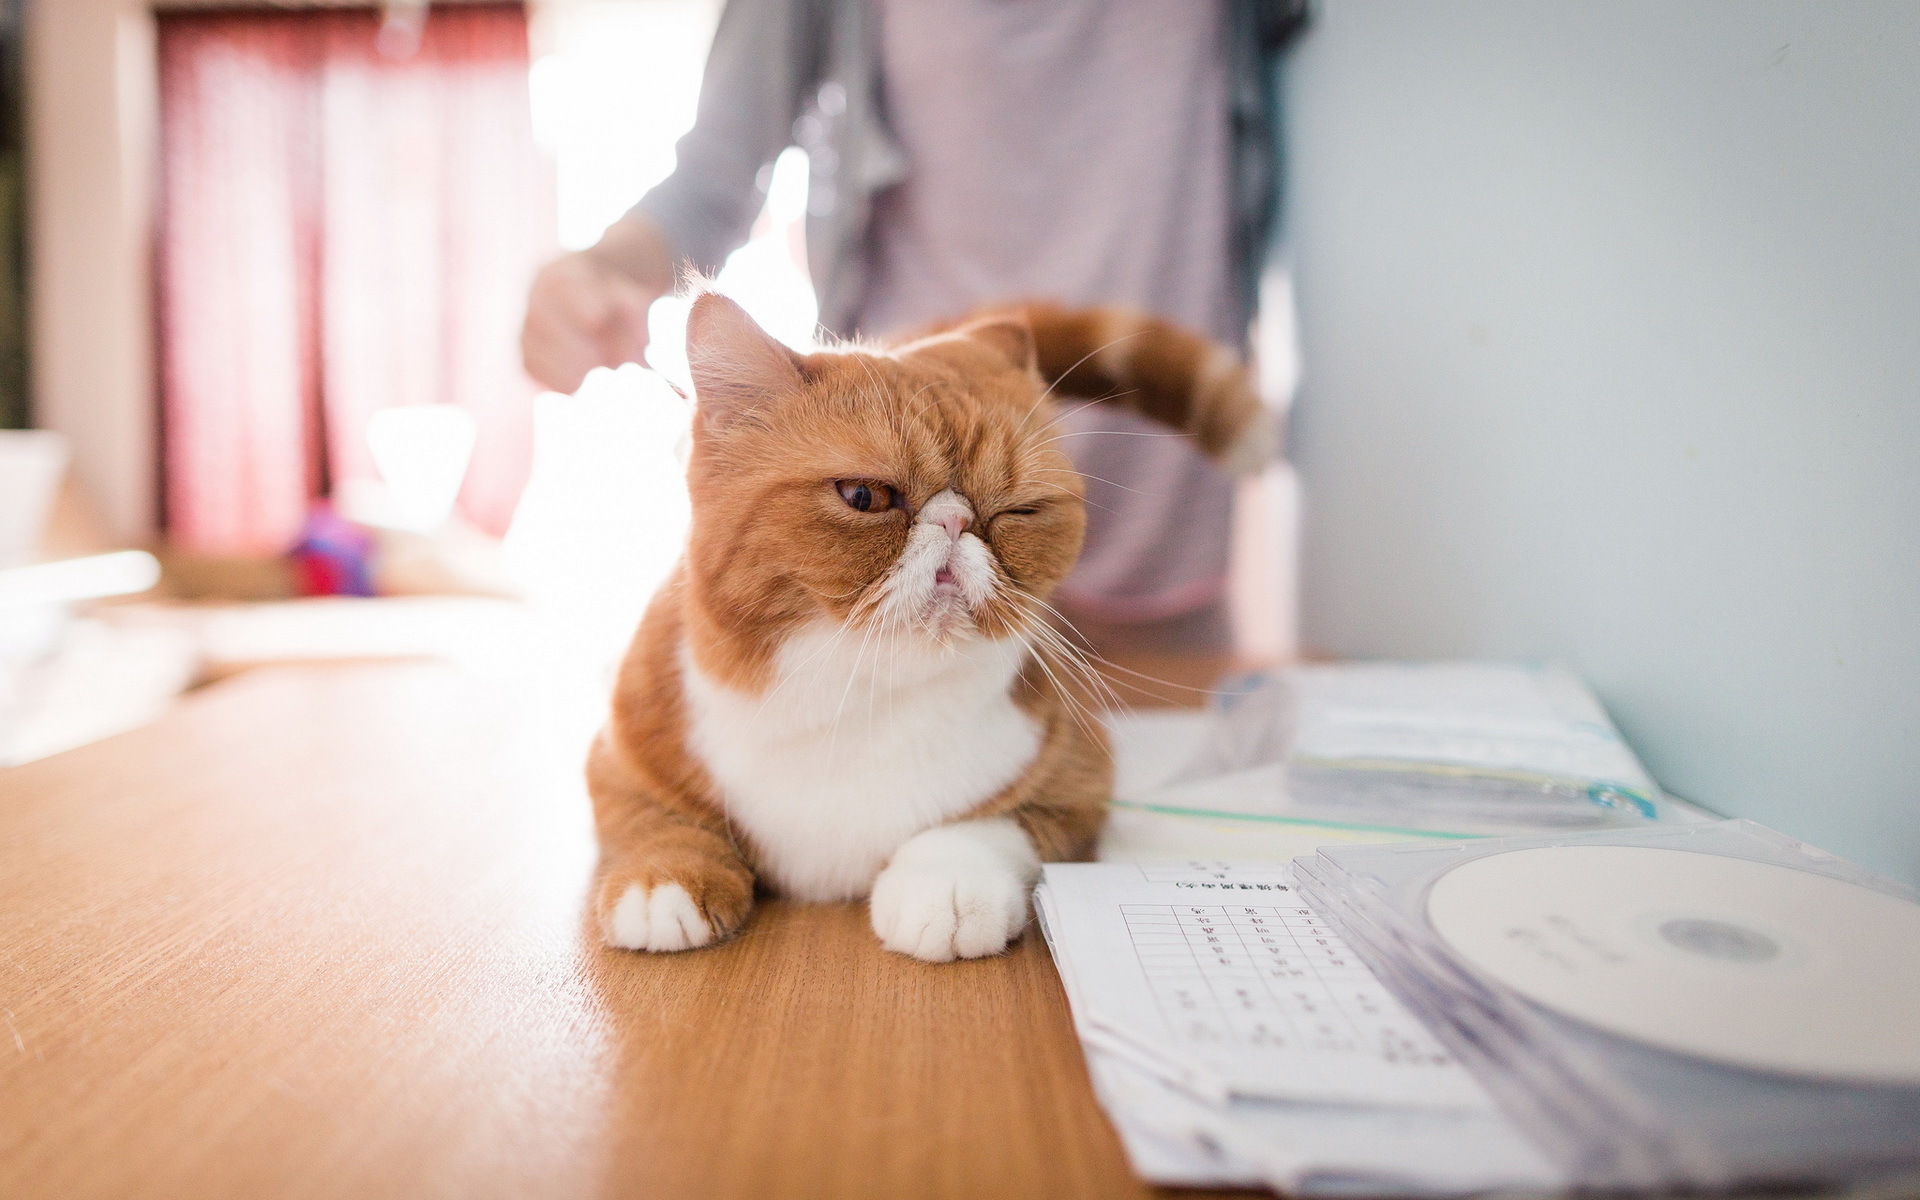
[
  {"x": 939, "y": 916},
  {"x": 661, "y": 918},
  {"x": 957, "y": 891}
]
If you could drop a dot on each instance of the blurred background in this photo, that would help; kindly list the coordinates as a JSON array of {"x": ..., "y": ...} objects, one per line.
[
  {"x": 281, "y": 254},
  {"x": 281, "y": 259},
  {"x": 1608, "y": 352}
]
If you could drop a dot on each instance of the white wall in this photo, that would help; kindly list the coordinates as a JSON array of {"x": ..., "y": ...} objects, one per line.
[
  {"x": 1611, "y": 337},
  {"x": 91, "y": 118}
]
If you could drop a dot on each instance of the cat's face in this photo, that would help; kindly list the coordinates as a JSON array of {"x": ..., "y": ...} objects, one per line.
[{"x": 913, "y": 492}]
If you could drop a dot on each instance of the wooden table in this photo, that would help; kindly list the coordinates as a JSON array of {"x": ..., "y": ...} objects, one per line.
[{"x": 319, "y": 933}]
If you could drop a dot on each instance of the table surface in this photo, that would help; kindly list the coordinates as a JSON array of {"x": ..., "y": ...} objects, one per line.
[{"x": 319, "y": 933}]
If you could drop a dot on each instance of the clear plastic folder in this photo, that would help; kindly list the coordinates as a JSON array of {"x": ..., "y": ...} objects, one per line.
[
  {"x": 1623, "y": 1112},
  {"x": 1469, "y": 745}
]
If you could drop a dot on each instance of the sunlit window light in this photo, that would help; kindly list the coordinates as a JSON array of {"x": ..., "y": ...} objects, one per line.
[{"x": 605, "y": 513}]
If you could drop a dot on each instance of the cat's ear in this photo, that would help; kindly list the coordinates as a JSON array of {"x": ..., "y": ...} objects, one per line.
[
  {"x": 738, "y": 368},
  {"x": 1008, "y": 336}
]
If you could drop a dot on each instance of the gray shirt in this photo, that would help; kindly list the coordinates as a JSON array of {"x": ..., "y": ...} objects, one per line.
[
  {"x": 1074, "y": 149},
  {"x": 783, "y": 72},
  {"x": 1092, "y": 151},
  {"x": 1078, "y": 150}
]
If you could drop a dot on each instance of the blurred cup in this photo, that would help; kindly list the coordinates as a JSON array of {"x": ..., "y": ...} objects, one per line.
[{"x": 31, "y": 464}]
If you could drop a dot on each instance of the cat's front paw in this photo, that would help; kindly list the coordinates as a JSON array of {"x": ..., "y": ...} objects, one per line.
[
  {"x": 958, "y": 891},
  {"x": 641, "y": 902},
  {"x": 661, "y": 917},
  {"x": 938, "y": 916}
]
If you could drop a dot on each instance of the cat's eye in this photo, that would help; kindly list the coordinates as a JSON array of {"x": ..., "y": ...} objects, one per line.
[
  {"x": 864, "y": 495},
  {"x": 1029, "y": 511}
]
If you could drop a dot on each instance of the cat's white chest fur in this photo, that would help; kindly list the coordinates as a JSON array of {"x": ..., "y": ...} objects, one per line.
[{"x": 856, "y": 747}]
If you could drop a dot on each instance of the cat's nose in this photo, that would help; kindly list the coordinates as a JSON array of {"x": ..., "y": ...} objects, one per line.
[{"x": 950, "y": 511}]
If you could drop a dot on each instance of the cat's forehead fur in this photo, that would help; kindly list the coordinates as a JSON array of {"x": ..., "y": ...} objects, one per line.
[{"x": 947, "y": 413}]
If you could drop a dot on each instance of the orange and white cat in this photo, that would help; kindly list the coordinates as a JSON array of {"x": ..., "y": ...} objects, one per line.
[{"x": 848, "y": 687}]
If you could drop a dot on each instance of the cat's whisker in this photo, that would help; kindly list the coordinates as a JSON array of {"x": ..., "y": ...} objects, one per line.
[
  {"x": 798, "y": 667},
  {"x": 873, "y": 679},
  {"x": 879, "y": 396},
  {"x": 1093, "y": 656},
  {"x": 852, "y": 673},
  {"x": 1072, "y": 657},
  {"x": 935, "y": 399},
  {"x": 893, "y": 662},
  {"x": 1068, "y": 651},
  {"x": 1060, "y": 437},
  {"x": 1030, "y": 447},
  {"x": 1043, "y": 647},
  {"x": 1095, "y": 717},
  {"x": 1075, "y": 709},
  {"x": 1084, "y": 475},
  {"x": 1078, "y": 363},
  {"x": 1087, "y": 402},
  {"x": 1067, "y": 644}
]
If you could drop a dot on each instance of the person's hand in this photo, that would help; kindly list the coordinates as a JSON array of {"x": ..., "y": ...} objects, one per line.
[{"x": 589, "y": 309}]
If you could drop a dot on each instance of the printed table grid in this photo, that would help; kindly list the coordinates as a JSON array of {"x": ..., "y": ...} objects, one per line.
[{"x": 1267, "y": 976}]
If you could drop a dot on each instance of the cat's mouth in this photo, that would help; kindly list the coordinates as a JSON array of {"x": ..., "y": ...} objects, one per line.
[
  {"x": 947, "y": 607},
  {"x": 948, "y": 611},
  {"x": 940, "y": 585}
]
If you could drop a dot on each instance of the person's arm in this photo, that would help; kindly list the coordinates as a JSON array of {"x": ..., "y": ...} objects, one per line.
[
  {"x": 763, "y": 69},
  {"x": 589, "y": 309}
]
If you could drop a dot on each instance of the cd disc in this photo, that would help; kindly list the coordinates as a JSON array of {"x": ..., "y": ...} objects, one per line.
[{"x": 1745, "y": 963}]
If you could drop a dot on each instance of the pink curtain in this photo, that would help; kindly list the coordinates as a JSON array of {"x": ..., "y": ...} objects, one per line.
[{"x": 340, "y": 232}]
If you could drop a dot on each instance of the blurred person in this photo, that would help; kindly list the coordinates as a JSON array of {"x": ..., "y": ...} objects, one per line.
[{"x": 968, "y": 152}]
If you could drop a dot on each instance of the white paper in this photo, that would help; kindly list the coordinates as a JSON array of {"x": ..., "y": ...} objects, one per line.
[
  {"x": 1224, "y": 982},
  {"x": 1174, "y": 1138},
  {"x": 1315, "y": 1149}
]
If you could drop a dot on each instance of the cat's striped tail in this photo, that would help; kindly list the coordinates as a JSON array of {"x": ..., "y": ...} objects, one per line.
[{"x": 1161, "y": 370}]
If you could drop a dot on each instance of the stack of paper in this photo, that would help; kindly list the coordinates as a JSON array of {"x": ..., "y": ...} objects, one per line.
[
  {"x": 1161, "y": 812},
  {"x": 1235, "y": 1040},
  {"x": 1232, "y": 1035},
  {"x": 1691, "y": 1008},
  {"x": 1460, "y": 746}
]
